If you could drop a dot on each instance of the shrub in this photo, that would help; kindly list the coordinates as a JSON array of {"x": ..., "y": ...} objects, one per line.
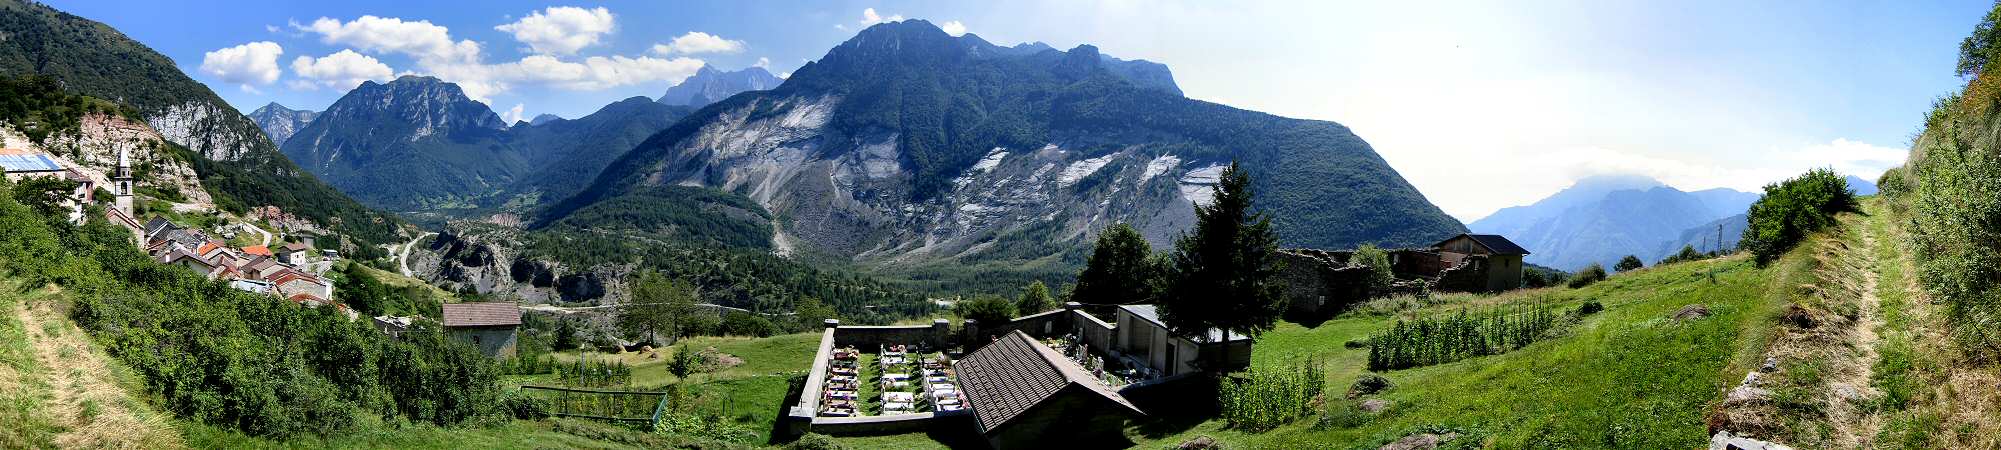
[
  {"x": 738, "y": 323},
  {"x": 1340, "y": 415},
  {"x": 1591, "y": 274},
  {"x": 986, "y": 310},
  {"x": 1687, "y": 253},
  {"x": 1589, "y": 307},
  {"x": 1267, "y": 397},
  {"x": 1368, "y": 384},
  {"x": 524, "y": 407},
  {"x": 1381, "y": 275},
  {"x": 815, "y": 441},
  {"x": 1628, "y": 263},
  {"x": 1794, "y": 208}
]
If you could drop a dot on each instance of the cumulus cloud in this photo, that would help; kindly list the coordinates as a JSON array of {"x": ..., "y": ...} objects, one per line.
[
  {"x": 341, "y": 70},
  {"x": 561, "y": 30},
  {"x": 869, "y": 17},
  {"x": 699, "y": 42},
  {"x": 513, "y": 114},
  {"x": 953, "y": 27},
  {"x": 245, "y": 65},
  {"x": 762, "y": 63},
  {"x": 419, "y": 39}
]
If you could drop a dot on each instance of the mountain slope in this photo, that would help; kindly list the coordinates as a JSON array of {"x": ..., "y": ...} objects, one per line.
[
  {"x": 279, "y": 122},
  {"x": 709, "y": 85},
  {"x": 905, "y": 144},
  {"x": 233, "y": 157},
  {"x": 418, "y": 144},
  {"x": 1602, "y": 218}
]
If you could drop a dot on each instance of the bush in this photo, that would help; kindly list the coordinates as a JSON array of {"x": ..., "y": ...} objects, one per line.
[
  {"x": 1340, "y": 415},
  {"x": 986, "y": 310},
  {"x": 1381, "y": 275},
  {"x": 1589, "y": 307},
  {"x": 1628, "y": 263},
  {"x": 524, "y": 407},
  {"x": 738, "y": 323},
  {"x": 1794, "y": 208},
  {"x": 815, "y": 441},
  {"x": 1368, "y": 384},
  {"x": 1591, "y": 274}
]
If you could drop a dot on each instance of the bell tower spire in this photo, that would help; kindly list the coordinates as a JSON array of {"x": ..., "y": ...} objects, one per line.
[{"x": 121, "y": 180}]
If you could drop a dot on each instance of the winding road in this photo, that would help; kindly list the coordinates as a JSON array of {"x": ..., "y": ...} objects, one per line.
[
  {"x": 403, "y": 257},
  {"x": 267, "y": 234}
]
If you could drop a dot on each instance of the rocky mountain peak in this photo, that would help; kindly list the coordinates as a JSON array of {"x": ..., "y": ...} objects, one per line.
[
  {"x": 433, "y": 105},
  {"x": 280, "y": 122},
  {"x": 710, "y": 85}
]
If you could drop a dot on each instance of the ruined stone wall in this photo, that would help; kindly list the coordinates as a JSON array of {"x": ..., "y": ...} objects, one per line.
[
  {"x": 1470, "y": 275},
  {"x": 1320, "y": 283}
]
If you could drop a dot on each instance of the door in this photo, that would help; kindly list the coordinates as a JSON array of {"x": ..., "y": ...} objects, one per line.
[{"x": 1173, "y": 365}]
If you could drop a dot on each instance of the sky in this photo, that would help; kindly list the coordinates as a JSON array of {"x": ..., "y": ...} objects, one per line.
[{"x": 1481, "y": 105}]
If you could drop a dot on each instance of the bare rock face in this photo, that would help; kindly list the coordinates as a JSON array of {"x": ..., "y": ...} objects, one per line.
[
  {"x": 94, "y": 148},
  {"x": 206, "y": 129},
  {"x": 482, "y": 258}
]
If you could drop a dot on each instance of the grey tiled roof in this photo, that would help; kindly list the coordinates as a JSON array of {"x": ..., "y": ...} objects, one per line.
[
  {"x": 482, "y": 314},
  {"x": 1013, "y": 374}
]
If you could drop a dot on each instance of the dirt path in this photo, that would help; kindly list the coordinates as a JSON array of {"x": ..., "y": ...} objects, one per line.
[
  {"x": 1850, "y": 391},
  {"x": 403, "y": 257},
  {"x": 87, "y": 401}
]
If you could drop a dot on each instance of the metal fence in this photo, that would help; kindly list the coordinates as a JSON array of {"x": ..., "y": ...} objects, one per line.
[{"x": 614, "y": 406}]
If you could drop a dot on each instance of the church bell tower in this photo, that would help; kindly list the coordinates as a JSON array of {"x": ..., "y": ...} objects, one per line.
[{"x": 121, "y": 180}]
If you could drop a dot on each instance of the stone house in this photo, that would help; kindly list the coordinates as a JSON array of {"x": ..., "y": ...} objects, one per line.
[
  {"x": 491, "y": 326},
  {"x": 1143, "y": 336},
  {"x": 1024, "y": 395},
  {"x": 1497, "y": 261}
]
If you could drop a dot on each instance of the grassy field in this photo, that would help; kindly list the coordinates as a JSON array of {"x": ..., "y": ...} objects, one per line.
[{"x": 1628, "y": 377}]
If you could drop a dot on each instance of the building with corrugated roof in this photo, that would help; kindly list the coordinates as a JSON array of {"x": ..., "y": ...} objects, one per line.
[
  {"x": 1024, "y": 394},
  {"x": 491, "y": 326}
]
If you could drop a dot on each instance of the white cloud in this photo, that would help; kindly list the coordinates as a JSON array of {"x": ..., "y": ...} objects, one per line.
[
  {"x": 512, "y": 115},
  {"x": 270, "y": 28},
  {"x": 953, "y": 27},
  {"x": 869, "y": 17},
  {"x": 785, "y": 75},
  {"x": 341, "y": 70},
  {"x": 419, "y": 39},
  {"x": 762, "y": 62},
  {"x": 247, "y": 64},
  {"x": 561, "y": 30},
  {"x": 699, "y": 42},
  {"x": 480, "y": 81}
]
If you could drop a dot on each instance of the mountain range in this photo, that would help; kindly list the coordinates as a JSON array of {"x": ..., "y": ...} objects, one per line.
[
  {"x": 418, "y": 145},
  {"x": 709, "y": 85},
  {"x": 1603, "y": 218},
  {"x": 907, "y": 145}
]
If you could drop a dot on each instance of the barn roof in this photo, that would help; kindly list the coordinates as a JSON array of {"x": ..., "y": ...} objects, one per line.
[
  {"x": 1011, "y": 375},
  {"x": 1496, "y": 244},
  {"x": 482, "y": 314}
]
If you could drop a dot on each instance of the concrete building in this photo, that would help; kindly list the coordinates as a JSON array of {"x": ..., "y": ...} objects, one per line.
[
  {"x": 1143, "y": 336},
  {"x": 1025, "y": 395},
  {"x": 491, "y": 326}
]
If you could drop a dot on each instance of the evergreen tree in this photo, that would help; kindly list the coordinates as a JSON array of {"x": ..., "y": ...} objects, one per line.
[
  {"x": 1121, "y": 269},
  {"x": 1225, "y": 272},
  {"x": 1034, "y": 299}
]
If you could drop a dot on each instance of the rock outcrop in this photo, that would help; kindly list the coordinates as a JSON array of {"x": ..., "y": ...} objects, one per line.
[{"x": 482, "y": 258}]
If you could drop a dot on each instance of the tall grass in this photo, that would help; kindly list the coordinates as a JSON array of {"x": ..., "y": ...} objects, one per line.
[
  {"x": 1271, "y": 396},
  {"x": 1439, "y": 340}
]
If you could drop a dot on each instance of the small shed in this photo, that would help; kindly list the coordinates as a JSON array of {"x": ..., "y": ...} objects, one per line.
[
  {"x": 1024, "y": 394},
  {"x": 1503, "y": 257},
  {"x": 491, "y": 326}
]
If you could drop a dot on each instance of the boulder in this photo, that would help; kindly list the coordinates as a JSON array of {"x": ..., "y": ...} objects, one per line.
[
  {"x": 1375, "y": 405},
  {"x": 1723, "y": 440},
  {"x": 1691, "y": 312},
  {"x": 1424, "y": 441}
]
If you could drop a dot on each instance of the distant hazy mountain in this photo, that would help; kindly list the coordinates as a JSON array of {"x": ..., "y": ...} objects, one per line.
[
  {"x": 544, "y": 118},
  {"x": 1600, "y": 219},
  {"x": 418, "y": 144},
  {"x": 280, "y": 122},
  {"x": 710, "y": 85},
  {"x": 1704, "y": 237},
  {"x": 1861, "y": 186}
]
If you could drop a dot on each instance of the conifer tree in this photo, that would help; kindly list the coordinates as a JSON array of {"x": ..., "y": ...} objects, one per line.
[{"x": 1224, "y": 271}]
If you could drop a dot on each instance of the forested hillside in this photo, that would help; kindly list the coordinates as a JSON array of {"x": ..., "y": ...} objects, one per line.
[{"x": 241, "y": 167}]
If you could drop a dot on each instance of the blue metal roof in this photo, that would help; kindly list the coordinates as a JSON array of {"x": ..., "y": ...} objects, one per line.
[{"x": 28, "y": 163}]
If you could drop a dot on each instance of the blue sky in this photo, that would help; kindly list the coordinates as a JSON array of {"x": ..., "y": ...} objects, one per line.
[{"x": 1482, "y": 105}]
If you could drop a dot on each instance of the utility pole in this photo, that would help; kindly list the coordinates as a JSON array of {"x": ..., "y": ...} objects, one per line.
[{"x": 1719, "y": 253}]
